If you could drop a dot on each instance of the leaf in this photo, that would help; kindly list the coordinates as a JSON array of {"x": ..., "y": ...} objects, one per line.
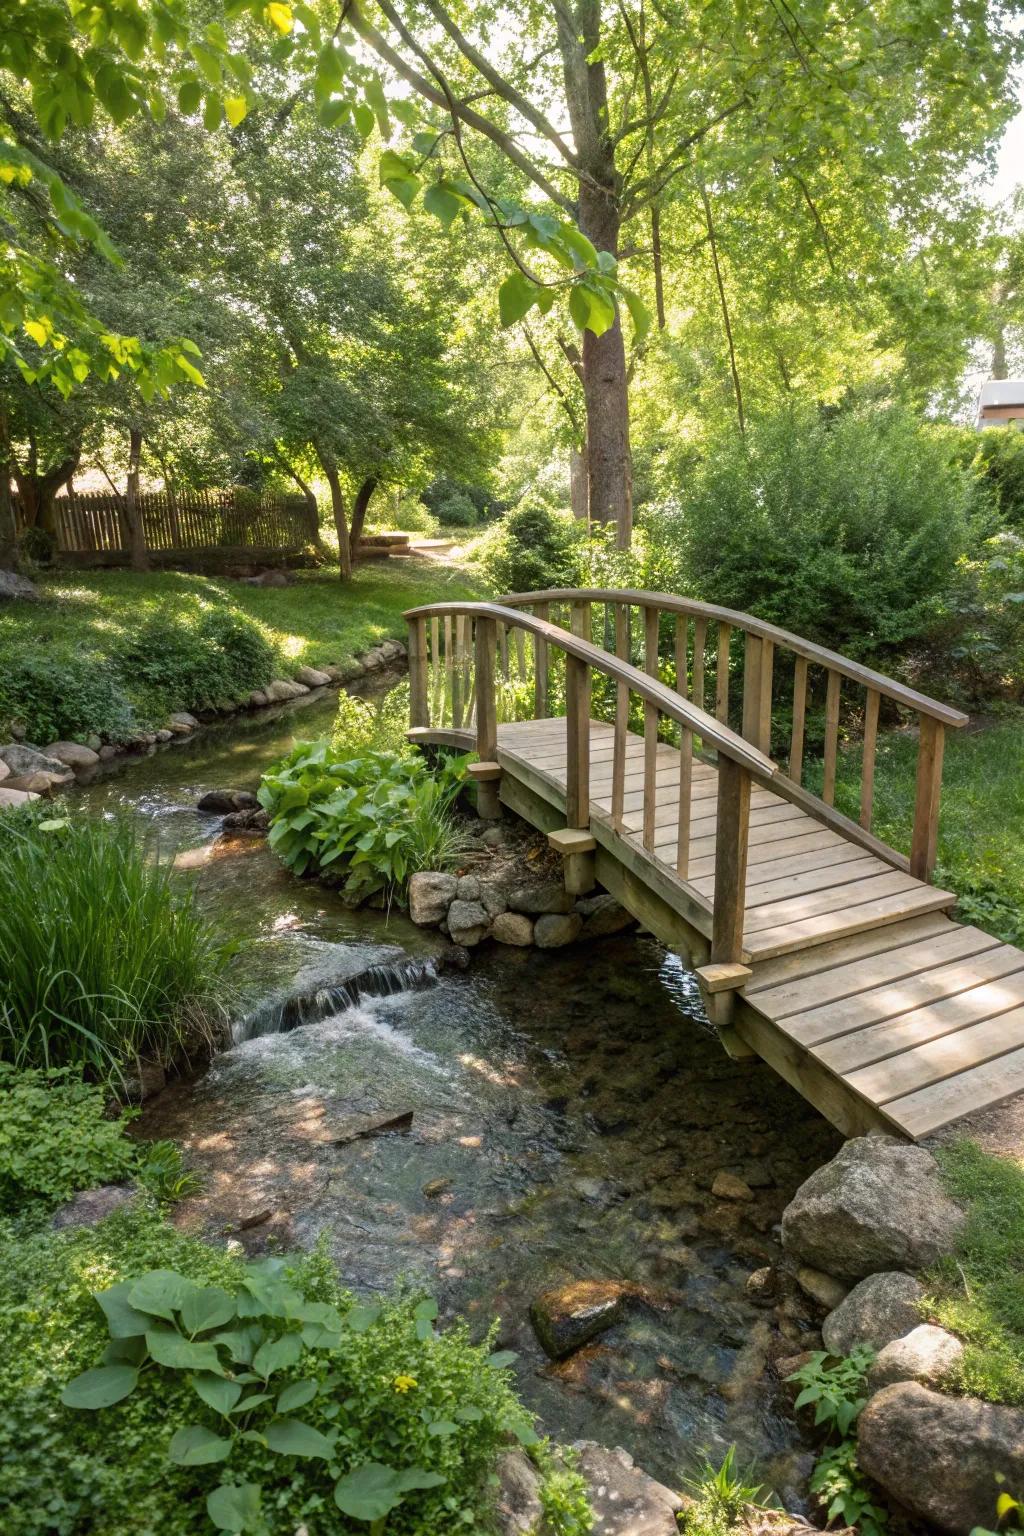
[
  {"x": 101, "y": 1387},
  {"x": 427, "y": 1308},
  {"x": 296, "y": 1396},
  {"x": 591, "y": 308},
  {"x": 501, "y": 1358},
  {"x": 279, "y": 16},
  {"x": 235, "y": 108},
  {"x": 277, "y": 1354},
  {"x": 234, "y": 1506},
  {"x": 442, "y": 1428},
  {"x": 377, "y": 101},
  {"x": 123, "y": 1320},
  {"x": 213, "y": 112},
  {"x": 638, "y": 313},
  {"x": 206, "y": 1307},
  {"x": 442, "y": 203},
  {"x": 359, "y": 1319},
  {"x": 160, "y": 1293},
  {"x": 290, "y": 1437},
  {"x": 217, "y": 1392},
  {"x": 372, "y": 1491},
  {"x": 469, "y": 1414},
  {"x": 179, "y": 1354},
  {"x": 516, "y": 297},
  {"x": 196, "y": 1446}
]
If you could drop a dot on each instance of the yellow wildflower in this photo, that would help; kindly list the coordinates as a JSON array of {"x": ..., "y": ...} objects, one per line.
[{"x": 403, "y": 1383}]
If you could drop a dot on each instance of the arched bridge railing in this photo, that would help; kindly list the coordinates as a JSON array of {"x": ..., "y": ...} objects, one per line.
[
  {"x": 462, "y": 678},
  {"x": 694, "y": 643}
]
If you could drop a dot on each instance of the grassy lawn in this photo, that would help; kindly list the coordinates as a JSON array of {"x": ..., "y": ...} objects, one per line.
[
  {"x": 981, "y": 831},
  {"x": 111, "y": 652}
]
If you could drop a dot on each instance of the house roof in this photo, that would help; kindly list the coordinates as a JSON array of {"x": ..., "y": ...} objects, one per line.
[{"x": 1001, "y": 392}]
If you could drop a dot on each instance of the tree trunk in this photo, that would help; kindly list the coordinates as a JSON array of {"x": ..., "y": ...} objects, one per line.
[
  {"x": 134, "y": 529},
  {"x": 330, "y": 469},
  {"x": 8, "y": 532},
  {"x": 579, "y": 488},
  {"x": 605, "y": 382},
  {"x": 38, "y": 492},
  {"x": 359, "y": 507},
  {"x": 308, "y": 496}
]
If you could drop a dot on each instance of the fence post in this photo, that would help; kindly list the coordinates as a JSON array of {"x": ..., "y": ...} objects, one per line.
[
  {"x": 929, "y": 788},
  {"x": 577, "y": 742},
  {"x": 486, "y": 707},
  {"x": 730, "y": 862}
]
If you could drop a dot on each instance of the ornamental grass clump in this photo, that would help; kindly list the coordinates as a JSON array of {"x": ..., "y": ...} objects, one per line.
[{"x": 105, "y": 956}]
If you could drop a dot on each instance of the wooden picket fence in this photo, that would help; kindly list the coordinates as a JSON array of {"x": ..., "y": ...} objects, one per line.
[{"x": 91, "y": 524}]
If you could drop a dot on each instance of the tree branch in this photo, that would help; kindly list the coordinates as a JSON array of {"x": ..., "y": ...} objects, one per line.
[
  {"x": 652, "y": 186},
  {"x": 725, "y": 310},
  {"x": 556, "y": 388}
]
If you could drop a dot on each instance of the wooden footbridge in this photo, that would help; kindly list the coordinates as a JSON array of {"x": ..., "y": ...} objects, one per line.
[{"x": 818, "y": 947}]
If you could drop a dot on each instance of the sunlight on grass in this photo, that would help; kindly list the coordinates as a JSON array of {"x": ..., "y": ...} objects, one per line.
[{"x": 978, "y": 1293}]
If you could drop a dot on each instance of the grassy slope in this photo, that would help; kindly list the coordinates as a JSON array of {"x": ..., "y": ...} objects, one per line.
[
  {"x": 981, "y": 831},
  {"x": 317, "y": 620}
]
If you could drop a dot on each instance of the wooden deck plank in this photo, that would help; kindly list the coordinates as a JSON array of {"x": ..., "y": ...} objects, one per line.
[
  {"x": 830, "y": 925},
  {"x": 842, "y": 981},
  {"x": 840, "y": 870},
  {"x": 769, "y": 871},
  {"x": 908, "y": 1030},
  {"x": 796, "y": 908},
  {"x": 929, "y": 1109},
  {"x": 858, "y": 946},
  {"x": 885, "y": 1002},
  {"x": 941, "y": 1058}
]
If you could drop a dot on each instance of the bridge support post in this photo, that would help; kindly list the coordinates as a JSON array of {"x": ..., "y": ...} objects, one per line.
[
  {"x": 718, "y": 984},
  {"x": 577, "y": 850},
  {"x": 487, "y": 778}
]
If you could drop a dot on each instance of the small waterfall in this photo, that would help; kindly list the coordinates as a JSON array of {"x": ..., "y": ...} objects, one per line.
[{"x": 309, "y": 1007}]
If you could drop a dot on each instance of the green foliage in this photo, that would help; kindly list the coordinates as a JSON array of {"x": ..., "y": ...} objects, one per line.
[
  {"x": 377, "y": 725},
  {"x": 978, "y": 643},
  {"x": 978, "y": 1292},
  {"x": 117, "y": 962},
  {"x": 999, "y": 457},
  {"x": 63, "y": 693},
  {"x": 722, "y": 1493},
  {"x": 38, "y": 545},
  {"x": 55, "y": 1137},
  {"x": 322, "y": 1391},
  {"x": 532, "y": 548},
  {"x": 374, "y": 818},
  {"x": 562, "y": 1492},
  {"x": 180, "y": 660},
  {"x": 844, "y": 530},
  {"x": 160, "y": 1168},
  {"x": 835, "y": 1389}
]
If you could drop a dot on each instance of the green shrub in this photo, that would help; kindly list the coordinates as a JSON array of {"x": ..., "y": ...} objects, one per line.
[
  {"x": 55, "y": 1138},
  {"x": 60, "y": 694},
  {"x": 978, "y": 643},
  {"x": 999, "y": 458},
  {"x": 378, "y": 724},
  {"x": 365, "y": 1385},
  {"x": 105, "y": 956},
  {"x": 38, "y": 545},
  {"x": 178, "y": 662},
  {"x": 835, "y": 1388},
  {"x": 374, "y": 818},
  {"x": 533, "y": 548},
  {"x": 846, "y": 531}
]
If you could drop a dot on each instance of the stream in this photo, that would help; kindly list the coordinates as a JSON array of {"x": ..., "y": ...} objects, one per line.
[{"x": 571, "y": 1110}]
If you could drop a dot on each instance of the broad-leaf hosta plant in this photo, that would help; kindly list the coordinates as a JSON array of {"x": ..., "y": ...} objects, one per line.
[
  {"x": 292, "y": 1402},
  {"x": 373, "y": 818}
]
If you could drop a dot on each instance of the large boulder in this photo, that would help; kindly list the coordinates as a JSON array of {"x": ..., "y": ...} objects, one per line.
[
  {"x": 467, "y": 923},
  {"x": 554, "y": 929},
  {"x": 945, "y": 1459},
  {"x": 878, "y": 1205},
  {"x": 72, "y": 754},
  {"x": 39, "y": 783},
  {"x": 13, "y": 797},
  {"x": 5, "y": 772},
  {"x": 535, "y": 900},
  {"x": 519, "y": 1509},
  {"x": 22, "y": 761},
  {"x": 281, "y": 690},
  {"x": 223, "y": 801},
  {"x": 431, "y": 893},
  {"x": 181, "y": 722},
  {"x": 569, "y": 1316},
  {"x": 926, "y": 1354},
  {"x": 312, "y": 677},
  {"x": 91, "y": 1206},
  {"x": 603, "y": 915},
  {"x": 12, "y": 586},
  {"x": 881, "y": 1308},
  {"x": 512, "y": 928}
]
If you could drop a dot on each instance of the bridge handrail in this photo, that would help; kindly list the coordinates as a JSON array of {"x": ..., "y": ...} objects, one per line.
[
  {"x": 668, "y": 602},
  {"x": 665, "y": 699}
]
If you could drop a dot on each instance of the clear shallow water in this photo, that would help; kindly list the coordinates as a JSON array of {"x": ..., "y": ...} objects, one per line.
[{"x": 570, "y": 1112}]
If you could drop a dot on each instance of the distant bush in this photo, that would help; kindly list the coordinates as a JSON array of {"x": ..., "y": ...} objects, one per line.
[
  {"x": 845, "y": 530},
  {"x": 457, "y": 504},
  {"x": 59, "y": 694},
  {"x": 999, "y": 458},
  {"x": 457, "y": 511},
  {"x": 533, "y": 548},
  {"x": 192, "y": 663},
  {"x": 105, "y": 957},
  {"x": 977, "y": 642}
]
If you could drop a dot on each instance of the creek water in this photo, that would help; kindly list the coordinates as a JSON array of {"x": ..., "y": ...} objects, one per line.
[{"x": 570, "y": 1111}]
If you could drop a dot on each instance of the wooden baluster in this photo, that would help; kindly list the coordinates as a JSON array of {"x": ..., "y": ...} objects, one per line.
[
  {"x": 540, "y": 669},
  {"x": 577, "y": 741},
  {"x": 730, "y": 862},
  {"x": 419, "y": 703},
  {"x": 757, "y": 691},
  {"x": 796, "y": 740},
  {"x": 580, "y": 620},
  {"x": 685, "y": 796},
  {"x": 458, "y": 642},
  {"x": 503, "y": 650},
  {"x": 520, "y": 642},
  {"x": 867, "y": 769},
  {"x": 622, "y": 612},
  {"x": 700, "y": 640},
  {"x": 722, "y": 678},
  {"x": 924, "y": 844},
  {"x": 828, "y": 786},
  {"x": 436, "y": 676},
  {"x": 651, "y": 626},
  {"x": 681, "y": 659},
  {"x": 486, "y": 705}
]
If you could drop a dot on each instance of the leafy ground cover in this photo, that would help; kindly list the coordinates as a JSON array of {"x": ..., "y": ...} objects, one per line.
[
  {"x": 978, "y": 1292},
  {"x": 112, "y": 652},
  {"x": 981, "y": 831},
  {"x": 145, "y": 1438}
]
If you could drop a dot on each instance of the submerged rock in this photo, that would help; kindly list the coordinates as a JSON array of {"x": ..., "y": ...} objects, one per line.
[
  {"x": 554, "y": 930},
  {"x": 224, "y": 801},
  {"x": 881, "y": 1308},
  {"x": 625, "y": 1500},
  {"x": 602, "y": 915},
  {"x": 72, "y": 754},
  {"x": 727, "y": 1186},
  {"x": 569, "y": 1316},
  {"x": 878, "y": 1205},
  {"x": 945, "y": 1459}
]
